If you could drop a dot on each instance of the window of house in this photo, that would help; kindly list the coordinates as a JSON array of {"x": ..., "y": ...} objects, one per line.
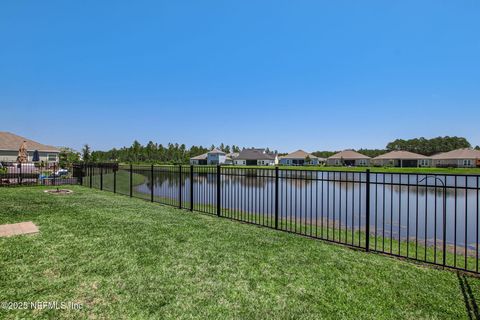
[
  {"x": 423, "y": 163},
  {"x": 467, "y": 162},
  {"x": 52, "y": 157}
]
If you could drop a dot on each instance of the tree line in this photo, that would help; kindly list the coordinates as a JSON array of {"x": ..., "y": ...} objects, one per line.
[{"x": 174, "y": 153}]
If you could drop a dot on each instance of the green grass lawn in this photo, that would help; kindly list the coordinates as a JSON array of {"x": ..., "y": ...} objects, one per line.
[{"x": 128, "y": 258}]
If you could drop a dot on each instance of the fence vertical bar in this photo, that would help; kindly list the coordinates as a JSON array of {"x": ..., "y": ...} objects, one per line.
[
  {"x": 101, "y": 177},
  {"x": 276, "y": 197},
  {"x": 131, "y": 180},
  {"x": 151, "y": 184},
  {"x": 218, "y": 191},
  {"x": 54, "y": 174},
  {"x": 20, "y": 173},
  {"x": 191, "y": 187},
  {"x": 91, "y": 175},
  {"x": 367, "y": 210},
  {"x": 180, "y": 186},
  {"x": 444, "y": 227},
  {"x": 114, "y": 180}
]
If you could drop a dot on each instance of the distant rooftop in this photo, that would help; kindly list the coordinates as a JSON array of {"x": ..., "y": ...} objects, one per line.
[
  {"x": 10, "y": 141},
  {"x": 458, "y": 154},
  {"x": 255, "y": 154},
  {"x": 299, "y": 154},
  {"x": 349, "y": 155},
  {"x": 404, "y": 155}
]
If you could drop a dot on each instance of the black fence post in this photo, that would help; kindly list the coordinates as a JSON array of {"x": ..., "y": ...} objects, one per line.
[
  {"x": 81, "y": 174},
  {"x": 218, "y": 191},
  {"x": 131, "y": 180},
  {"x": 191, "y": 187},
  {"x": 101, "y": 177},
  {"x": 114, "y": 180},
  {"x": 367, "y": 210},
  {"x": 444, "y": 244},
  {"x": 180, "y": 186},
  {"x": 151, "y": 184},
  {"x": 276, "y": 197},
  {"x": 20, "y": 173},
  {"x": 54, "y": 175},
  {"x": 91, "y": 175}
]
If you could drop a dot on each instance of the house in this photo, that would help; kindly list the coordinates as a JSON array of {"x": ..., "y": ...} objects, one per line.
[
  {"x": 460, "y": 158},
  {"x": 255, "y": 157},
  {"x": 402, "y": 159},
  {"x": 300, "y": 158},
  {"x": 10, "y": 144},
  {"x": 212, "y": 157},
  {"x": 348, "y": 158},
  {"x": 231, "y": 157}
]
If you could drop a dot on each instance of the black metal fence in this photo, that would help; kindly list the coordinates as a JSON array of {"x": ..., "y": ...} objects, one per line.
[
  {"x": 30, "y": 173},
  {"x": 432, "y": 218}
]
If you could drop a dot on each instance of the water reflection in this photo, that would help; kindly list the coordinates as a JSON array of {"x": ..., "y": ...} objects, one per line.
[{"x": 401, "y": 206}]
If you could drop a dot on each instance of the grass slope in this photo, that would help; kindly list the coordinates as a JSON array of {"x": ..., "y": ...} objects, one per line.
[{"x": 128, "y": 258}]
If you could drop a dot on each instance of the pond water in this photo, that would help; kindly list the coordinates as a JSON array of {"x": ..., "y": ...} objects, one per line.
[{"x": 401, "y": 205}]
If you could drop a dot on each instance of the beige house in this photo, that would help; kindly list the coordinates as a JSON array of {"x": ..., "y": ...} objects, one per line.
[
  {"x": 402, "y": 159},
  {"x": 348, "y": 158},
  {"x": 460, "y": 158},
  {"x": 300, "y": 158},
  {"x": 10, "y": 143}
]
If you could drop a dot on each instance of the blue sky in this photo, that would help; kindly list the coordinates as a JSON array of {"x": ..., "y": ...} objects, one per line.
[{"x": 315, "y": 75}]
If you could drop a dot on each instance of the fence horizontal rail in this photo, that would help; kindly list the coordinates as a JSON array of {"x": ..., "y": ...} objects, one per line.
[
  {"x": 432, "y": 218},
  {"x": 31, "y": 174}
]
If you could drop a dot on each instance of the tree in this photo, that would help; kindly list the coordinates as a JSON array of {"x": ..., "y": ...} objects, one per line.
[
  {"x": 308, "y": 160},
  {"x": 429, "y": 146},
  {"x": 477, "y": 148},
  {"x": 86, "y": 154},
  {"x": 68, "y": 157}
]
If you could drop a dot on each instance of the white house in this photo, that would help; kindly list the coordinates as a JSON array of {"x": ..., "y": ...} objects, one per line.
[{"x": 212, "y": 157}]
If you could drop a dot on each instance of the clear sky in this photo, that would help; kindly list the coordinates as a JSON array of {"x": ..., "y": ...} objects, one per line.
[{"x": 314, "y": 75}]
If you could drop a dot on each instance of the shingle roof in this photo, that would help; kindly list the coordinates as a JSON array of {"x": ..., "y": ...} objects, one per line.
[
  {"x": 254, "y": 154},
  {"x": 404, "y": 155},
  {"x": 215, "y": 151},
  {"x": 200, "y": 157},
  {"x": 10, "y": 141},
  {"x": 349, "y": 155},
  {"x": 299, "y": 154},
  {"x": 458, "y": 154}
]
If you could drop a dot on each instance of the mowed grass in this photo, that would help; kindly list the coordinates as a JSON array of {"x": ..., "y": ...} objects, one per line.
[{"x": 128, "y": 258}]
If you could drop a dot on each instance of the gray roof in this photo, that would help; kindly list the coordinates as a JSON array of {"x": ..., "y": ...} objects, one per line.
[
  {"x": 349, "y": 155},
  {"x": 12, "y": 142},
  {"x": 458, "y": 154},
  {"x": 299, "y": 154},
  {"x": 200, "y": 157},
  {"x": 402, "y": 155},
  {"x": 215, "y": 151},
  {"x": 255, "y": 154}
]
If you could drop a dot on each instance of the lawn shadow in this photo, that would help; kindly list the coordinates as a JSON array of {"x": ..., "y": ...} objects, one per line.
[{"x": 468, "y": 297}]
